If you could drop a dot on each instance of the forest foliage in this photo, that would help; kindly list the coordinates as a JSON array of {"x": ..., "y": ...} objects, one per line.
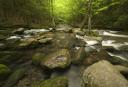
[{"x": 37, "y": 13}]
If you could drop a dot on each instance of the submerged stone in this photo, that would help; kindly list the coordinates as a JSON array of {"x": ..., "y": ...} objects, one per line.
[{"x": 58, "y": 59}]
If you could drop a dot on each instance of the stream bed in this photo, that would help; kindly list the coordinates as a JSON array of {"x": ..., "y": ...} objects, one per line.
[{"x": 17, "y": 51}]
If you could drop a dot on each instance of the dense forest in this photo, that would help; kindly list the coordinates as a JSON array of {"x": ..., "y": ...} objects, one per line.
[
  {"x": 110, "y": 14},
  {"x": 63, "y": 43}
]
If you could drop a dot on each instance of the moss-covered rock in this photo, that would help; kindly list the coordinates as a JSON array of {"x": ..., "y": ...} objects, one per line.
[
  {"x": 15, "y": 77},
  {"x": 37, "y": 57},
  {"x": 54, "y": 82},
  {"x": 4, "y": 71},
  {"x": 58, "y": 59}
]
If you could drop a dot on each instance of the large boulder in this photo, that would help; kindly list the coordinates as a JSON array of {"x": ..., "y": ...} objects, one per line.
[
  {"x": 58, "y": 59},
  {"x": 54, "y": 82},
  {"x": 4, "y": 71},
  {"x": 103, "y": 74}
]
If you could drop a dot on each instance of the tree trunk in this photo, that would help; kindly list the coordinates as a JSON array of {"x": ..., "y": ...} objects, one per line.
[
  {"x": 103, "y": 74},
  {"x": 89, "y": 15},
  {"x": 52, "y": 9},
  {"x": 83, "y": 23}
]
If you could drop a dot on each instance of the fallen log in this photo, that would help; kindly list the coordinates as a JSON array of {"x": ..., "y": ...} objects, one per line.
[{"x": 103, "y": 74}]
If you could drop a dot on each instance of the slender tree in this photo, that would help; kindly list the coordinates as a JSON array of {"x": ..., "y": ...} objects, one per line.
[
  {"x": 89, "y": 15},
  {"x": 52, "y": 12}
]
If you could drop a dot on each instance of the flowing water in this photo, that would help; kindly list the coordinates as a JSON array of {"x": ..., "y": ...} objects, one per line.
[{"x": 115, "y": 42}]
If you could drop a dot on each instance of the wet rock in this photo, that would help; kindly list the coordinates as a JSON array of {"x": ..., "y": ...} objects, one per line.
[
  {"x": 45, "y": 40},
  {"x": 26, "y": 43},
  {"x": 64, "y": 40},
  {"x": 54, "y": 82},
  {"x": 96, "y": 56},
  {"x": 58, "y": 59},
  {"x": 4, "y": 72},
  {"x": 118, "y": 59},
  {"x": 80, "y": 55},
  {"x": 19, "y": 31},
  {"x": 37, "y": 57},
  {"x": 90, "y": 49},
  {"x": 15, "y": 77}
]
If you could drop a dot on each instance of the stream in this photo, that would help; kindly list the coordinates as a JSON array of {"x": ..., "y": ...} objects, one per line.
[
  {"x": 116, "y": 45},
  {"x": 114, "y": 42}
]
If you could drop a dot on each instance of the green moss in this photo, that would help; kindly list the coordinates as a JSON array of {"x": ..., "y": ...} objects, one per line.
[
  {"x": 37, "y": 57},
  {"x": 92, "y": 33},
  {"x": 15, "y": 77},
  {"x": 4, "y": 71},
  {"x": 54, "y": 82}
]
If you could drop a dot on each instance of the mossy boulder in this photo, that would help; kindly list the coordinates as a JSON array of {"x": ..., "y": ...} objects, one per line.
[
  {"x": 37, "y": 57},
  {"x": 4, "y": 71},
  {"x": 54, "y": 82},
  {"x": 15, "y": 77},
  {"x": 58, "y": 59}
]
